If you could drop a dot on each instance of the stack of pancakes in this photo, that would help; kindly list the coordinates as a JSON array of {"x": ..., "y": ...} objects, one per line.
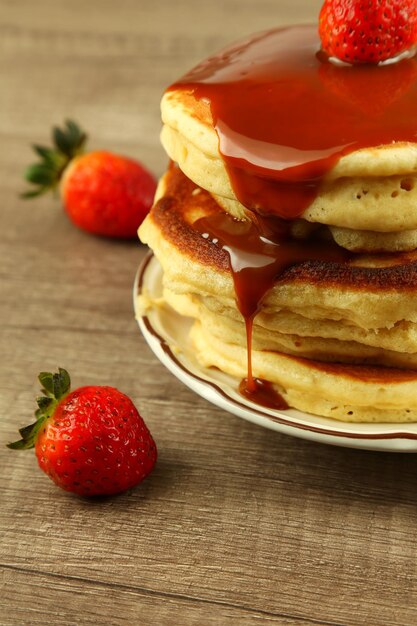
[{"x": 335, "y": 339}]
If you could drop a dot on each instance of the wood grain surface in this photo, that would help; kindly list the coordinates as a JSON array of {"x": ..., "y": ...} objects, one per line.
[{"x": 237, "y": 525}]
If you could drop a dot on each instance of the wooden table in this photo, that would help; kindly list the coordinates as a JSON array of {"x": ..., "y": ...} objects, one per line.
[{"x": 237, "y": 525}]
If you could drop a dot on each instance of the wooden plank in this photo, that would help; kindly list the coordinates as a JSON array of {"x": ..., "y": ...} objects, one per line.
[
  {"x": 233, "y": 514},
  {"x": 108, "y": 67},
  {"x": 60, "y": 600},
  {"x": 237, "y": 525}
]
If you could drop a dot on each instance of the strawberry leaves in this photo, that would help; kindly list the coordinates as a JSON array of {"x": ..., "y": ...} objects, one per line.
[
  {"x": 68, "y": 142},
  {"x": 54, "y": 387}
]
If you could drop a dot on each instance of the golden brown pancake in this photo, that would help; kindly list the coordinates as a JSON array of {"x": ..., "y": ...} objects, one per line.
[
  {"x": 360, "y": 315},
  {"x": 372, "y": 189},
  {"x": 372, "y": 291}
]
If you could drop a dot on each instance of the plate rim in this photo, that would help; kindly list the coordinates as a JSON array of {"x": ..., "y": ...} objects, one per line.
[{"x": 175, "y": 366}]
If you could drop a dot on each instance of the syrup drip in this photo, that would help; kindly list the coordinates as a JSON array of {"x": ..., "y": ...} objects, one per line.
[
  {"x": 260, "y": 251},
  {"x": 263, "y": 393}
]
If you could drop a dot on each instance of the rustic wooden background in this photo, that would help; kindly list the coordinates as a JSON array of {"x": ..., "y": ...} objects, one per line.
[{"x": 237, "y": 525}]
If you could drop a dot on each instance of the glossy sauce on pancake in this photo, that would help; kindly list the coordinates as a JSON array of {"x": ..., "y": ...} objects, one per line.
[
  {"x": 258, "y": 252},
  {"x": 257, "y": 259},
  {"x": 285, "y": 114}
]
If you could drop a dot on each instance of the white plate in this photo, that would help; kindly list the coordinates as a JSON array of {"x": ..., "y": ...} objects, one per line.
[{"x": 166, "y": 332}]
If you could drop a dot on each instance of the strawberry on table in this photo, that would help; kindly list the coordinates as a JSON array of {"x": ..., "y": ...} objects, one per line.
[
  {"x": 103, "y": 193},
  {"x": 367, "y": 31},
  {"x": 91, "y": 441}
]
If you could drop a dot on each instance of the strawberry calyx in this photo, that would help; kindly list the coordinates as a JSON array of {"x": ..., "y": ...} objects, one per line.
[
  {"x": 54, "y": 387},
  {"x": 68, "y": 142}
]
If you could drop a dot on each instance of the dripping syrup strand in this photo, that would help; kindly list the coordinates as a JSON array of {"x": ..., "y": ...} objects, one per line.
[
  {"x": 256, "y": 389},
  {"x": 263, "y": 394},
  {"x": 259, "y": 251}
]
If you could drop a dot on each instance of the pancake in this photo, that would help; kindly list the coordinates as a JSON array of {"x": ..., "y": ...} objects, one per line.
[
  {"x": 373, "y": 189},
  {"x": 342, "y": 392},
  {"x": 354, "y": 240},
  {"x": 351, "y": 326},
  {"x": 371, "y": 241},
  {"x": 318, "y": 344},
  {"x": 271, "y": 125},
  {"x": 370, "y": 292}
]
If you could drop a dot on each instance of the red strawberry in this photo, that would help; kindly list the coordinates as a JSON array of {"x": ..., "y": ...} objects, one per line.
[
  {"x": 91, "y": 441},
  {"x": 103, "y": 193},
  {"x": 367, "y": 31}
]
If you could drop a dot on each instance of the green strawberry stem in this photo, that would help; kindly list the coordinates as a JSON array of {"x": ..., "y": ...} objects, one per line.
[
  {"x": 68, "y": 143},
  {"x": 54, "y": 387}
]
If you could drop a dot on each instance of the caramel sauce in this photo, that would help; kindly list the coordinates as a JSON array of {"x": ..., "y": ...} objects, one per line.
[
  {"x": 263, "y": 393},
  {"x": 284, "y": 115},
  {"x": 259, "y": 251}
]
